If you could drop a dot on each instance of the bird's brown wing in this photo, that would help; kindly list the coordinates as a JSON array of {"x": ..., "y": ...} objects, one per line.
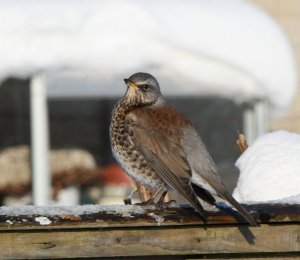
[{"x": 157, "y": 133}]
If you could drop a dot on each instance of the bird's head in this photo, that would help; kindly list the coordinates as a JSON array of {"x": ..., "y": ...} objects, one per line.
[{"x": 142, "y": 89}]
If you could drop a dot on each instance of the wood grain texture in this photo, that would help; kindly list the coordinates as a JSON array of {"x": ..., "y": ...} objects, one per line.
[
  {"x": 143, "y": 242},
  {"x": 156, "y": 232}
]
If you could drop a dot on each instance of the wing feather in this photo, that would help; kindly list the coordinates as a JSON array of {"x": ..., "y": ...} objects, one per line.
[{"x": 159, "y": 142}]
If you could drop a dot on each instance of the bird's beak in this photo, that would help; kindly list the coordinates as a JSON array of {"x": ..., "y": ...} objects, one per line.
[{"x": 130, "y": 83}]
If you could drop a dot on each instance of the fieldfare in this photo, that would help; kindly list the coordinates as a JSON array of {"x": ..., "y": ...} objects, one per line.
[{"x": 159, "y": 148}]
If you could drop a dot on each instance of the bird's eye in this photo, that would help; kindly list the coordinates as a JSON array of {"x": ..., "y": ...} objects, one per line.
[{"x": 145, "y": 86}]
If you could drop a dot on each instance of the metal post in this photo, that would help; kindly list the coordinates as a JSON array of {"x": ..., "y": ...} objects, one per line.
[
  {"x": 249, "y": 124},
  {"x": 39, "y": 140},
  {"x": 255, "y": 120},
  {"x": 261, "y": 116}
]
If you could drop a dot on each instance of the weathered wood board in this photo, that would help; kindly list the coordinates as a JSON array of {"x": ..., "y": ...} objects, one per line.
[{"x": 136, "y": 231}]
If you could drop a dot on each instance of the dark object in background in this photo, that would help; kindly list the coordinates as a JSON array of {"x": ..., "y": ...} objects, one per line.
[{"x": 14, "y": 113}]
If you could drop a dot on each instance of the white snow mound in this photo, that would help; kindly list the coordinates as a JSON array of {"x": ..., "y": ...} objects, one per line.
[{"x": 270, "y": 170}]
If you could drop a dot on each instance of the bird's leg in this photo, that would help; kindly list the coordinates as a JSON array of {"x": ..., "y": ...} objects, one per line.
[
  {"x": 153, "y": 197},
  {"x": 161, "y": 200},
  {"x": 156, "y": 198},
  {"x": 144, "y": 193},
  {"x": 156, "y": 195}
]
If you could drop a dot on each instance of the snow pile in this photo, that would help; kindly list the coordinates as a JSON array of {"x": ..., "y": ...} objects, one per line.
[
  {"x": 226, "y": 47},
  {"x": 270, "y": 170}
]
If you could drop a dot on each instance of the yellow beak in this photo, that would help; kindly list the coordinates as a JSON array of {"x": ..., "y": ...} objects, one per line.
[{"x": 130, "y": 83}]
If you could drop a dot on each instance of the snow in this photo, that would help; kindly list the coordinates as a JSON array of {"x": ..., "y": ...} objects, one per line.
[
  {"x": 9, "y": 222},
  {"x": 43, "y": 213},
  {"x": 270, "y": 170},
  {"x": 72, "y": 210},
  {"x": 228, "y": 48},
  {"x": 43, "y": 220}
]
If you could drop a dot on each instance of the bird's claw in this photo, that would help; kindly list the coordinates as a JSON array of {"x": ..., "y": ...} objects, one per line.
[
  {"x": 168, "y": 203},
  {"x": 146, "y": 203},
  {"x": 127, "y": 200}
]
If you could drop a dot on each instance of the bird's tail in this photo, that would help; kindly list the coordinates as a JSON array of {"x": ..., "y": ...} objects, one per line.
[
  {"x": 206, "y": 196},
  {"x": 192, "y": 198},
  {"x": 189, "y": 194},
  {"x": 227, "y": 196}
]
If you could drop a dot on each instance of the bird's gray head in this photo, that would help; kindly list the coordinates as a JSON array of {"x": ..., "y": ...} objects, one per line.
[{"x": 143, "y": 89}]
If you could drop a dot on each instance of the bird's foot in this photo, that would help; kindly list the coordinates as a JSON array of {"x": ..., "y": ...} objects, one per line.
[
  {"x": 157, "y": 198},
  {"x": 159, "y": 204},
  {"x": 168, "y": 203},
  {"x": 127, "y": 200},
  {"x": 146, "y": 203}
]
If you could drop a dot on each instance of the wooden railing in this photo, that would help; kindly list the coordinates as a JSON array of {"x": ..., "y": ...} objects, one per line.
[{"x": 147, "y": 232}]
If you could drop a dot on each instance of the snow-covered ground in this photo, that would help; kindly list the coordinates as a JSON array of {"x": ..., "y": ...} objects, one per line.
[
  {"x": 228, "y": 48},
  {"x": 270, "y": 170}
]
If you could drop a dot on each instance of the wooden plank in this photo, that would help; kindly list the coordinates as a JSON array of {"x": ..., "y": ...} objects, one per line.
[
  {"x": 142, "y": 242},
  {"x": 138, "y": 231},
  {"x": 285, "y": 256}
]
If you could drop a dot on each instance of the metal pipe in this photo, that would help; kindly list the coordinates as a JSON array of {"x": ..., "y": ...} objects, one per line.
[
  {"x": 249, "y": 124},
  {"x": 261, "y": 116},
  {"x": 41, "y": 181}
]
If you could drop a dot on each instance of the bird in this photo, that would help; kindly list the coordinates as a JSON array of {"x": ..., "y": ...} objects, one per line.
[{"x": 159, "y": 148}]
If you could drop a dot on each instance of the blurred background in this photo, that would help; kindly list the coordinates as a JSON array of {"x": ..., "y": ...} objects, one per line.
[{"x": 227, "y": 65}]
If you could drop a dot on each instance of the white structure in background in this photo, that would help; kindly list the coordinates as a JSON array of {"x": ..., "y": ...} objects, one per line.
[
  {"x": 255, "y": 119},
  {"x": 226, "y": 48},
  {"x": 270, "y": 170},
  {"x": 40, "y": 141},
  {"x": 229, "y": 48}
]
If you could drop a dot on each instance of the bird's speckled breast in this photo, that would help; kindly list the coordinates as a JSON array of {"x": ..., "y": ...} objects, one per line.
[{"x": 128, "y": 156}]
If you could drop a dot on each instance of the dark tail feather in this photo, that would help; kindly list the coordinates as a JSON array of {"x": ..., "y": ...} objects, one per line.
[
  {"x": 203, "y": 194},
  {"x": 192, "y": 198},
  {"x": 206, "y": 196},
  {"x": 197, "y": 205},
  {"x": 227, "y": 196}
]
